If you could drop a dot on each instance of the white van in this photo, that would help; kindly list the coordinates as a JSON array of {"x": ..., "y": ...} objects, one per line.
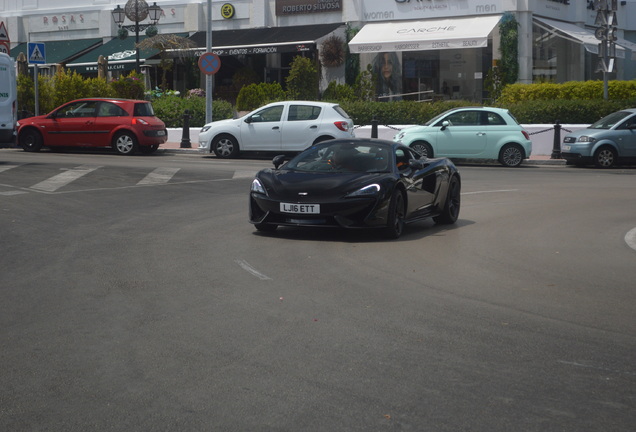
[{"x": 8, "y": 99}]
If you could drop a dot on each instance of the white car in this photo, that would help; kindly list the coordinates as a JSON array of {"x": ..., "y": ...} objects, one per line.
[{"x": 290, "y": 126}]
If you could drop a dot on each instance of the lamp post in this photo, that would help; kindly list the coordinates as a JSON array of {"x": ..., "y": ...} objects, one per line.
[{"x": 136, "y": 11}]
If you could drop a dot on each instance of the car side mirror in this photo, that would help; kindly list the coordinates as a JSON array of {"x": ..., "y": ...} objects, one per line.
[
  {"x": 248, "y": 120},
  {"x": 278, "y": 160},
  {"x": 445, "y": 124},
  {"x": 418, "y": 164}
]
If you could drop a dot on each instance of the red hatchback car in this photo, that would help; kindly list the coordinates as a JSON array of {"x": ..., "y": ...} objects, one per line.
[{"x": 126, "y": 125}]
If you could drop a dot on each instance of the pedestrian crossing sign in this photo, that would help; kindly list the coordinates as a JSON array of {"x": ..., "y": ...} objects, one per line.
[{"x": 37, "y": 53}]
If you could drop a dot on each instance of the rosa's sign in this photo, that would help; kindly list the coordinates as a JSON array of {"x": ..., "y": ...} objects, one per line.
[{"x": 298, "y": 7}]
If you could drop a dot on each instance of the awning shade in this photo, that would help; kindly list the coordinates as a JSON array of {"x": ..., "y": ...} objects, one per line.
[
  {"x": 424, "y": 35},
  {"x": 120, "y": 54},
  {"x": 61, "y": 51},
  {"x": 264, "y": 40},
  {"x": 581, "y": 35}
]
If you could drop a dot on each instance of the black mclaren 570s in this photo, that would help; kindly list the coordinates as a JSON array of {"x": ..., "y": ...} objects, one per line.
[{"x": 355, "y": 183}]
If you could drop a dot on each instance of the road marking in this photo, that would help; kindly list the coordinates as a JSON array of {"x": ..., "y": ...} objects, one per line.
[
  {"x": 7, "y": 167},
  {"x": 10, "y": 193},
  {"x": 248, "y": 268},
  {"x": 490, "y": 191},
  {"x": 630, "y": 238},
  {"x": 243, "y": 174},
  {"x": 159, "y": 176},
  {"x": 60, "y": 180}
]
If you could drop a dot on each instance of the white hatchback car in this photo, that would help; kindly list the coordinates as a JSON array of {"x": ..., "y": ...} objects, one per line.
[{"x": 290, "y": 126}]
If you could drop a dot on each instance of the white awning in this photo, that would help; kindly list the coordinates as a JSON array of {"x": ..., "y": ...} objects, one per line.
[
  {"x": 582, "y": 35},
  {"x": 424, "y": 35}
]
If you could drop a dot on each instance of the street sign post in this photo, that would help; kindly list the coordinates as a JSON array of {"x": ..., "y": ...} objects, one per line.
[
  {"x": 209, "y": 63},
  {"x": 36, "y": 53}
]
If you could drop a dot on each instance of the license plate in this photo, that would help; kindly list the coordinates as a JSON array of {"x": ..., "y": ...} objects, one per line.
[
  {"x": 300, "y": 208},
  {"x": 566, "y": 148}
]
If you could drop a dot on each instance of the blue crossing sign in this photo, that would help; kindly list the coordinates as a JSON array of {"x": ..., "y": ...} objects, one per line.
[
  {"x": 209, "y": 63},
  {"x": 36, "y": 53}
]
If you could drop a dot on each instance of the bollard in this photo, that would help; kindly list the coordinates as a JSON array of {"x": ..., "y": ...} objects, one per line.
[
  {"x": 556, "y": 145},
  {"x": 185, "y": 136},
  {"x": 374, "y": 128}
]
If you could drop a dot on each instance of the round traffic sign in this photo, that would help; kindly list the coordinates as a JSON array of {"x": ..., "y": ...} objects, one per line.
[{"x": 209, "y": 63}]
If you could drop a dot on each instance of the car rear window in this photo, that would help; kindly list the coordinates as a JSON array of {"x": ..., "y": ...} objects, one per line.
[
  {"x": 341, "y": 111},
  {"x": 144, "y": 110}
]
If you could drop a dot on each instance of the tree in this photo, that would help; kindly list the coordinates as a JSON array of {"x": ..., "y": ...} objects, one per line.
[{"x": 169, "y": 46}]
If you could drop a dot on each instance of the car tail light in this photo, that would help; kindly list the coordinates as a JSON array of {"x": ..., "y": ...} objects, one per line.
[
  {"x": 525, "y": 134},
  {"x": 342, "y": 125},
  {"x": 136, "y": 120}
]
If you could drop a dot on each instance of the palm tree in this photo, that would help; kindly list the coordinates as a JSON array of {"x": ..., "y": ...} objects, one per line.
[{"x": 169, "y": 46}]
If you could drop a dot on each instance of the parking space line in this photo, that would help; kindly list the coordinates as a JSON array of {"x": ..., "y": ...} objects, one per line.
[
  {"x": 54, "y": 183},
  {"x": 159, "y": 176}
]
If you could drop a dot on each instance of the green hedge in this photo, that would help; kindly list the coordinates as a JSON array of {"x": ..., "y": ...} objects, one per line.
[
  {"x": 171, "y": 108},
  {"x": 617, "y": 90}
]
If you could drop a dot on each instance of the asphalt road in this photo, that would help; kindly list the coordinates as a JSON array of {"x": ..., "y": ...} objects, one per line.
[{"x": 136, "y": 296}]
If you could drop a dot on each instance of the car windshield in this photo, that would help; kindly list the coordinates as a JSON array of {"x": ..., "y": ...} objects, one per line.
[
  {"x": 342, "y": 157},
  {"x": 609, "y": 121}
]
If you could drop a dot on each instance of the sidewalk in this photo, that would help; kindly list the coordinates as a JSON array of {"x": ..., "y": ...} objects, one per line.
[{"x": 175, "y": 147}]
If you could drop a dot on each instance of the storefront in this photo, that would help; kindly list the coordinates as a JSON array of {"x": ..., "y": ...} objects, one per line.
[{"x": 421, "y": 49}]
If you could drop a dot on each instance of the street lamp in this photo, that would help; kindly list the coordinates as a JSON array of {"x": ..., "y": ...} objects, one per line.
[{"x": 136, "y": 11}]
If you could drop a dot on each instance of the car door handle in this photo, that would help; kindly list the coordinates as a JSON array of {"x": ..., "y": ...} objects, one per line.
[
  {"x": 275, "y": 128},
  {"x": 481, "y": 133},
  {"x": 313, "y": 127}
]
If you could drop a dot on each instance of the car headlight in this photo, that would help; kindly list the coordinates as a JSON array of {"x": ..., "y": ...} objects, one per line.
[
  {"x": 586, "y": 138},
  {"x": 258, "y": 187},
  {"x": 205, "y": 129},
  {"x": 369, "y": 190}
]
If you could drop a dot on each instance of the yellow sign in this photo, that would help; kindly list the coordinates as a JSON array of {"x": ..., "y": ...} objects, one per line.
[{"x": 227, "y": 11}]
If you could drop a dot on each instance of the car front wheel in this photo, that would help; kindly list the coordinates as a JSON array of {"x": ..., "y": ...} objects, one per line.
[
  {"x": 395, "y": 219},
  {"x": 605, "y": 157},
  {"x": 511, "y": 155},
  {"x": 31, "y": 140},
  {"x": 453, "y": 200},
  {"x": 225, "y": 147},
  {"x": 125, "y": 143},
  {"x": 423, "y": 148}
]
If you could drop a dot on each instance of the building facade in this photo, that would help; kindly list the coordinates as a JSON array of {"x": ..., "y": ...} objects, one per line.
[{"x": 418, "y": 49}]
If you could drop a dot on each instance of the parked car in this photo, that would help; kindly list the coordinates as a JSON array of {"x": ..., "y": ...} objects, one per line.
[
  {"x": 471, "y": 133},
  {"x": 609, "y": 141},
  {"x": 126, "y": 125},
  {"x": 355, "y": 183},
  {"x": 290, "y": 126}
]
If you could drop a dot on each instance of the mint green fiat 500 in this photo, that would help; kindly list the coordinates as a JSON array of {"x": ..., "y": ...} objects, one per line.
[{"x": 470, "y": 133}]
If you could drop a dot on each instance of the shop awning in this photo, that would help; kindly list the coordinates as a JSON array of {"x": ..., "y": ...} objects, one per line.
[
  {"x": 424, "y": 35},
  {"x": 264, "y": 40},
  {"x": 581, "y": 35},
  {"x": 120, "y": 54},
  {"x": 61, "y": 51}
]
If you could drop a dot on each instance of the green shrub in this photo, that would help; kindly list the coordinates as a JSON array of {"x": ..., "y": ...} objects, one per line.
[
  {"x": 69, "y": 85},
  {"x": 338, "y": 92},
  {"x": 302, "y": 81},
  {"x": 129, "y": 87},
  {"x": 253, "y": 96}
]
